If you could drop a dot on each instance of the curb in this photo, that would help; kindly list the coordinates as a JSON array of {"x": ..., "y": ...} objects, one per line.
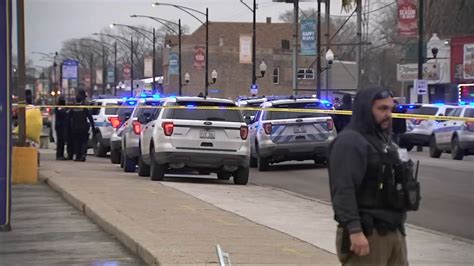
[{"x": 126, "y": 239}]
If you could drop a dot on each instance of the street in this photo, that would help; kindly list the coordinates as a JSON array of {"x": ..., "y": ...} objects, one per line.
[{"x": 447, "y": 190}]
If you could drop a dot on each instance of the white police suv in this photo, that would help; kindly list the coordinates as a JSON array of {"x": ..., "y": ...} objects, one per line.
[
  {"x": 105, "y": 118},
  {"x": 120, "y": 122},
  {"x": 454, "y": 136},
  {"x": 278, "y": 136},
  {"x": 186, "y": 136}
]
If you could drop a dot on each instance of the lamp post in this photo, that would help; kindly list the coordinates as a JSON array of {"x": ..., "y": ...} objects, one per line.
[
  {"x": 206, "y": 24},
  {"x": 329, "y": 60},
  {"x": 153, "y": 40},
  {"x": 105, "y": 46},
  {"x": 179, "y": 33},
  {"x": 254, "y": 40}
]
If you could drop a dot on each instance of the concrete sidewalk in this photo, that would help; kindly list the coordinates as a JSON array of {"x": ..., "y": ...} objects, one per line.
[{"x": 167, "y": 227}]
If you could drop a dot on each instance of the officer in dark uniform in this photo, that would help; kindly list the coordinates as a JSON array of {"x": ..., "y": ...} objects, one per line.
[
  {"x": 368, "y": 205},
  {"x": 80, "y": 121},
  {"x": 61, "y": 127}
]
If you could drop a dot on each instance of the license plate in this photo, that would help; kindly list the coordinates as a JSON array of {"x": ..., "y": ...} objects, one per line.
[
  {"x": 299, "y": 130},
  {"x": 207, "y": 134}
]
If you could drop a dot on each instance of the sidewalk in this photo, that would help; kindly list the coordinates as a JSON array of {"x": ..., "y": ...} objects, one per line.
[
  {"x": 46, "y": 230},
  {"x": 256, "y": 225},
  {"x": 167, "y": 227}
]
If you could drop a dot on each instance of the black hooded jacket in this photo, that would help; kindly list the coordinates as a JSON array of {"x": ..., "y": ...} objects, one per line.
[{"x": 354, "y": 168}]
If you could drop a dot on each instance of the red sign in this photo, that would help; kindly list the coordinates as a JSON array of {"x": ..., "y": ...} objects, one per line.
[
  {"x": 407, "y": 18},
  {"x": 127, "y": 73},
  {"x": 199, "y": 57}
]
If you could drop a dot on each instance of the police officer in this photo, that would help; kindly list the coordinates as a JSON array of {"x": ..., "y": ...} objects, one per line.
[
  {"x": 61, "y": 127},
  {"x": 79, "y": 127},
  {"x": 370, "y": 229}
]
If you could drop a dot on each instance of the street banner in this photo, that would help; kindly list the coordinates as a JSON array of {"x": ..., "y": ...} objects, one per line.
[
  {"x": 110, "y": 75},
  {"x": 407, "y": 18},
  {"x": 127, "y": 72},
  {"x": 199, "y": 57},
  {"x": 409, "y": 72},
  {"x": 173, "y": 64},
  {"x": 245, "y": 49},
  {"x": 308, "y": 37},
  {"x": 98, "y": 76},
  {"x": 468, "y": 61},
  {"x": 70, "y": 69},
  {"x": 148, "y": 68},
  {"x": 5, "y": 113}
]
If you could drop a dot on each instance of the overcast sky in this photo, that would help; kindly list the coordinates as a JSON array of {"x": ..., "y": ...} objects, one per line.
[{"x": 50, "y": 22}]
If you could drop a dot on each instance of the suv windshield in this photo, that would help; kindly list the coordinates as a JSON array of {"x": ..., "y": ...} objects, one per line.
[
  {"x": 123, "y": 111},
  {"x": 277, "y": 115},
  {"x": 151, "y": 111},
  {"x": 204, "y": 114},
  {"x": 424, "y": 110}
]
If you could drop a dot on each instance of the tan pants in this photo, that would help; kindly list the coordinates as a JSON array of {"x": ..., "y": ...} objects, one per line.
[{"x": 390, "y": 249}]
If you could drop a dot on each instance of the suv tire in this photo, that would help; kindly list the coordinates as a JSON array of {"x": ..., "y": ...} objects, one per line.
[
  {"x": 115, "y": 156},
  {"x": 262, "y": 164},
  {"x": 456, "y": 152},
  {"x": 143, "y": 168},
  {"x": 99, "y": 149},
  {"x": 223, "y": 175},
  {"x": 157, "y": 171},
  {"x": 241, "y": 176},
  {"x": 434, "y": 151},
  {"x": 129, "y": 165}
]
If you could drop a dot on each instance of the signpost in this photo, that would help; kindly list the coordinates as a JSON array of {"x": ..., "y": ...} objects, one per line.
[
  {"x": 421, "y": 86},
  {"x": 254, "y": 89},
  {"x": 5, "y": 105}
]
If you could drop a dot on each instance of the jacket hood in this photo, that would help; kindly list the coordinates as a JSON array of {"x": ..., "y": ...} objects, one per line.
[{"x": 362, "y": 118}]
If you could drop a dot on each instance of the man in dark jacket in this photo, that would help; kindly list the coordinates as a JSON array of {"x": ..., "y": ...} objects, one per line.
[
  {"x": 341, "y": 121},
  {"x": 370, "y": 231},
  {"x": 61, "y": 127},
  {"x": 79, "y": 128}
]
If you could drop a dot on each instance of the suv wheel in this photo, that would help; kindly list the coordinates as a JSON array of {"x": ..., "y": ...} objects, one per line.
[
  {"x": 115, "y": 156},
  {"x": 241, "y": 176},
  {"x": 456, "y": 152},
  {"x": 223, "y": 175},
  {"x": 143, "y": 168},
  {"x": 434, "y": 151},
  {"x": 129, "y": 164},
  {"x": 262, "y": 164},
  {"x": 157, "y": 171},
  {"x": 99, "y": 149}
]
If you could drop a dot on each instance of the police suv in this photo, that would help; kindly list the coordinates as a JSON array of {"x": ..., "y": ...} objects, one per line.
[
  {"x": 420, "y": 131},
  {"x": 454, "y": 136},
  {"x": 130, "y": 137},
  {"x": 103, "y": 118},
  {"x": 278, "y": 136},
  {"x": 250, "y": 102},
  {"x": 120, "y": 122},
  {"x": 186, "y": 136}
]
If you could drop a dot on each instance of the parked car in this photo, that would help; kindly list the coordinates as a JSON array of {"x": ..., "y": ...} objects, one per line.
[
  {"x": 120, "y": 122},
  {"x": 103, "y": 119}
]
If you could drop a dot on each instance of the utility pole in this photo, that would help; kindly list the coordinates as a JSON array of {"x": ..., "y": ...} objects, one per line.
[
  {"x": 254, "y": 40},
  {"x": 295, "y": 46},
  {"x": 328, "y": 40},
  {"x": 180, "y": 71},
  {"x": 154, "y": 62},
  {"x": 359, "y": 46},
  {"x": 104, "y": 70},
  {"x": 115, "y": 69},
  {"x": 318, "y": 52},
  {"x": 420, "y": 44},
  {"x": 21, "y": 72},
  {"x": 131, "y": 66},
  {"x": 207, "y": 55}
]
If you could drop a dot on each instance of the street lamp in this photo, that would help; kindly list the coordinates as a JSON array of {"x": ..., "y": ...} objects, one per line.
[
  {"x": 329, "y": 60},
  {"x": 153, "y": 40},
  {"x": 179, "y": 33},
  {"x": 263, "y": 68},
  {"x": 214, "y": 76},
  {"x": 188, "y": 10},
  {"x": 187, "y": 78}
]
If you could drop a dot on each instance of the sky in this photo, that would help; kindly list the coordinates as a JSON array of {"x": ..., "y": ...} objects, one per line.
[{"x": 50, "y": 22}]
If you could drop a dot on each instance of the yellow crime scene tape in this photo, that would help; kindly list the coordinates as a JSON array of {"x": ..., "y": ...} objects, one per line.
[{"x": 318, "y": 111}]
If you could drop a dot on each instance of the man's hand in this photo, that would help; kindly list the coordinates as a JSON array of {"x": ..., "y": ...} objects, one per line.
[{"x": 359, "y": 244}]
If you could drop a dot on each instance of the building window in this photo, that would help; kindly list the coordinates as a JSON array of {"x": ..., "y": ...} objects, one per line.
[
  {"x": 305, "y": 73},
  {"x": 276, "y": 75}
]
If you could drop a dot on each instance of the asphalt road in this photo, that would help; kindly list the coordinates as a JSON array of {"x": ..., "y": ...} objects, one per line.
[{"x": 447, "y": 190}]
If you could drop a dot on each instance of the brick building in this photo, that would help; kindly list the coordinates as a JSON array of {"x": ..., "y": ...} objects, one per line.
[{"x": 274, "y": 45}]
